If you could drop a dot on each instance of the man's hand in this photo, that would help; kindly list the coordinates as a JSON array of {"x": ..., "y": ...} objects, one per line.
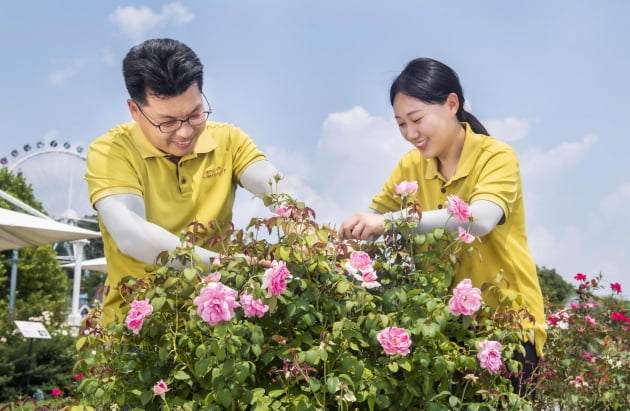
[{"x": 362, "y": 226}]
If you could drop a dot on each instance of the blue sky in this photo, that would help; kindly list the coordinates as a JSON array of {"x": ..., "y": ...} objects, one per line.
[{"x": 309, "y": 80}]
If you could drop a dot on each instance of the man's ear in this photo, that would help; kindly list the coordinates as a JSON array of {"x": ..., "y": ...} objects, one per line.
[{"x": 133, "y": 109}]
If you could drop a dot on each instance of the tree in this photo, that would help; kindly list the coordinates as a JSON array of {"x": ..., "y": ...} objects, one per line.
[
  {"x": 42, "y": 287},
  {"x": 555, "y": 289},
  {"x": 42, "y": 284}
]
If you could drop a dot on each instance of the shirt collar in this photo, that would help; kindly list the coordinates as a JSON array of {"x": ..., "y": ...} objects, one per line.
[{"x": 472, "y": 144}]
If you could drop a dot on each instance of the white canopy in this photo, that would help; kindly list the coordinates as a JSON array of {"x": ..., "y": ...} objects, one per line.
[
  {"x": 19, "y": 230},
  {"x": 96, "y": 264}
]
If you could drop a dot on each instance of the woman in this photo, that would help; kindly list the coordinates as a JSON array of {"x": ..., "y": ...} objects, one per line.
[{"x": 454, "y": 155}]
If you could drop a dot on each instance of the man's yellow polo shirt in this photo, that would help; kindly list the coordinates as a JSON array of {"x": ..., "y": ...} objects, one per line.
[
  {"x": 488, "y": 170},
  {"x": 201, "y": 187}
]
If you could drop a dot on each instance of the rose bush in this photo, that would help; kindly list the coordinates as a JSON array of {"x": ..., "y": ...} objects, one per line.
[
  {"x": 587, "y": 356},
  {"x": 329, "y": 325}
]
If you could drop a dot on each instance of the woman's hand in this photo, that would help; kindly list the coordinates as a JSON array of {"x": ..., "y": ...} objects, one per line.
[{"x": 362, "y": 226}]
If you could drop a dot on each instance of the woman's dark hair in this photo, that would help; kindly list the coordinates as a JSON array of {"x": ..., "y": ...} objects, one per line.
[
  {"x": 431, "y": 82},
  {"x": 161, "y": 67}
]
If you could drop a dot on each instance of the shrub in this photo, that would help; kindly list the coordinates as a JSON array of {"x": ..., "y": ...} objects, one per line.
[
  {"x": 316, "y": 323},
  {"x": 27, "y": 365},
  {"x": 587, "y": 358}
]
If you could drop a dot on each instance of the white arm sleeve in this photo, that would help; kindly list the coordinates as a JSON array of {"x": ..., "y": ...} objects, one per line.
[
  {"x": 258, "y": 177},
  {"x": 486, "y": 216},
  {"x": 124, "y": 217}
]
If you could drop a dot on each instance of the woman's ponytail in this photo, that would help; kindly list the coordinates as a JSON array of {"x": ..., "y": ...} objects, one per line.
[{"x": 475, "y": 124}]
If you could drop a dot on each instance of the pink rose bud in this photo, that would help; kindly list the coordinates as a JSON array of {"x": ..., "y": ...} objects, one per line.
[{"x": 160, "y": 388}]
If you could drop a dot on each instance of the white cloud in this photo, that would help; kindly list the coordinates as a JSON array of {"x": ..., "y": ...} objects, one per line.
[
  {"x": 61, "y": 76},
  {"x": 616, "y": 204},
  {"x": 355, "y": 154},
  {"x": 537, "y": 163},
  {"x": 136, "y": 22},
  {"x": 508, "y": 129},
  {"x": 177, "y": 14}
]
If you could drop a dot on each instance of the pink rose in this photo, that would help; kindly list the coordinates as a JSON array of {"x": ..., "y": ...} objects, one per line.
[
  {"x": 616, "y": 287},
  {"x": 580, "y": 277},
  {"x": 590, "y": 320},
  {"x": 284, "y": 211},
  {"x": 216, "y": 261},
  {"x": 274, "y": 279},
  {"x": 489, "y": 355},
  {"x": 406, "y": 187},
  {"x": 360, "y": 260},
  {"x": 55, "y": 392},
  {"x": 368, "y": 279},
  {"x": 216, "y": 303},
  {"x": 458, "y": 208},
  {"x": 394, "y": 340},
  {"x": 466, "y": 299},
  {"x": 214, "y": 277},
  {"x": 465, "y": 236},
  {"x": 160, "y": 388},
  {"x": 253, "y": 307},
  {"x": 617, "y": 316},
  {"x": 137, "y": 313}
]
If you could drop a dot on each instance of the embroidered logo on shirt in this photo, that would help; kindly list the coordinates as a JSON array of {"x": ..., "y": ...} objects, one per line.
[{"x": 214, "y": 172}]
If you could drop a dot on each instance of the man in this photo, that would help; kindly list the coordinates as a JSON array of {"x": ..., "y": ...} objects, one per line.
[{"x": 150, "y": 178}]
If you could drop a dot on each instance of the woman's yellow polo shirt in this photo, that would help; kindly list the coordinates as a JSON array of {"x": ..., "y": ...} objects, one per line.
[
  {"x": 201, "y": 187},
  {"x": 488, "y": 170}
]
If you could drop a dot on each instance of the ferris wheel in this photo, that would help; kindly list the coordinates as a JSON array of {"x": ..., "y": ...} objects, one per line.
[{"x": 55, "y": 171}]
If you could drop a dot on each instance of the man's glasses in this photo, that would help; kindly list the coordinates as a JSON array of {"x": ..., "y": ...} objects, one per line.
[{"x": 172, "y": 126}]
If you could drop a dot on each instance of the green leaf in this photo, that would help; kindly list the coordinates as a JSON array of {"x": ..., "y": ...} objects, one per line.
[
  {"x": 332, "y": 384},
  {"x": 242, "y": 372},
  {"x": 284, "y": 252},
  {"x": 393, "y": 367},
  {"x": 158, "y": 302},
  {"x": 181, "y": 375},
  {"x": 405, "y": 364},
  {"x": 163, "y": 353},
  {"x": 224, "y": 397},
  {"x": 315, "y": 385},
  {"x": 128, "y": 366},
  {"x": 190, "y": 274},
  {"x": 276, "y": 393},
  {"x": 120, "y": 398},
  {"x": 308, "y": 319},
  {"x": 342, "y": 286},
  {"x": 202, "y": 366},
  {"x": 201, "y": 351},
  {"x": 146, "y": 397},
  {"x": 439, "y": 367},
  {"x": 228, "y": 367},
  {"x": 82, "y": 341},
  {"x": 420, "y": 239},
  {"x": 171, "y": 281},
  {"x": 312, "y": 356}
]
